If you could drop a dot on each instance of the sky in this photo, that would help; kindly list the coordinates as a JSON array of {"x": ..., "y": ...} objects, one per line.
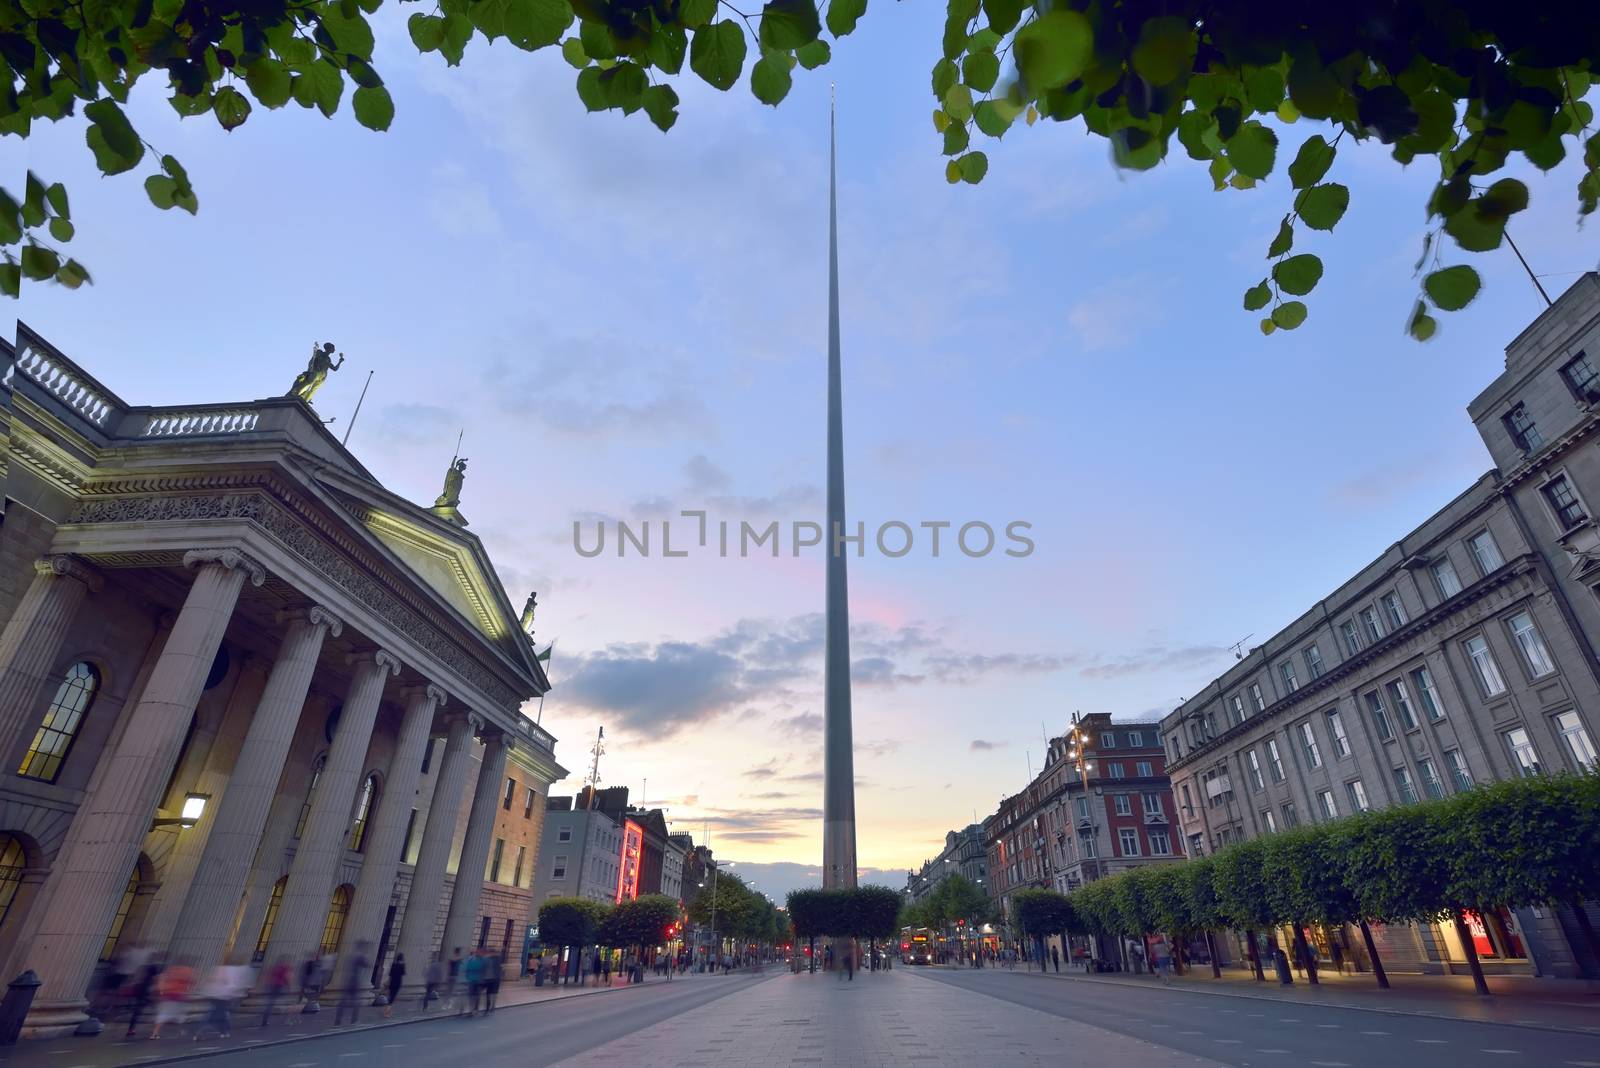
[{"x": 627, "y": 325}]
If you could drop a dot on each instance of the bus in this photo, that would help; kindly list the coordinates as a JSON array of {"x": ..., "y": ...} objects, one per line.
[{"x": 916, "y": 946}]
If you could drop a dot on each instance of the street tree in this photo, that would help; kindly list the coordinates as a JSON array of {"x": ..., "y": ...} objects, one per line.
[
  {"x": 1237, "y": 879},
  {"x": 571, "y": 923},
  {"x": 808, "y": 914},
  {"x": 1465, "y": 86},
  {"x": 877, "y": 908}
]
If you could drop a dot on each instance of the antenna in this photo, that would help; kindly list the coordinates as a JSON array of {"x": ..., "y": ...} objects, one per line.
[
  {"x": 1531, "y": 276},
  {"x": 1238, "y": 646},
  {"x": 598, "y": 748},
  {"x": 352, "y": 424}
]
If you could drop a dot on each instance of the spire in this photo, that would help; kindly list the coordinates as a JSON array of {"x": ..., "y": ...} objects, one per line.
[{"x": 839, "y": 790}]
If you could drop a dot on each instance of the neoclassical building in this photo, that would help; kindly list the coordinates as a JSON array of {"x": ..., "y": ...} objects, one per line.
[{"x": 253, "y": 704}]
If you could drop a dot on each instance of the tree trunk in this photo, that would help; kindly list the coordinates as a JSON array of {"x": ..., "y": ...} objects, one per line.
[
  {"x": 1479, "y": 983},
  {"x": 1255, "y": 955},
  {"x": 1177, "y": 954},
  {"x": 1303, "y": 948},
  {"x": 1587, "y": 928},
  {"x": 811, "y": 940},
  {"x": 1372, "y": 954},
  {"x": 1211, "y": 950}
]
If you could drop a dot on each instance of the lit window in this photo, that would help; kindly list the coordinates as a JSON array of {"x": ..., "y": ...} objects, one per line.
[
  {"x": 1274, "y": 760},
  {"x": 1402, "y": 705},
  {"x": 1256, "y": 781},
  {"x": 1534, "y": 653},
  {"x": 511, "y": 794},
  {"x": 1313, "y": 661},
  {"x": 1347, "y": 634},
  {"x": 1370, "y": 624},
  {"x": 358, "y": 828},
  {"x": 527, "y": 802},
  {"x": 1483, "y": 664},
  {"x": 1308, "y": 745},
  {"x": 1564, "y": 502},
  {"x": 1403, "y": 783},
  {"x": 1444, "y": 576},
  {"x": 1422, "y": 679},
  {"x": 1380, "y": 717},
  {"x": 1394, "y": 609},
  {"x": 1341, "y": 741},
  {"x": 1522, "y": 752},
  {"x": 1357, "y": 794},
  {"x": 1290, "y": 683},
  {"x": 1485, "y": 552},
  {"x": 271, "y": 918},
  {"x": 1458, "y": 769},
  {"x": 1330, "y": 808},
  {"x": 1579, "y": 744},
  {"x": 333, "y": 926},
  {"x": 311, "y": 791},
  {"x": 1124, "y": 807},
  {"x": 61, "y": 721},
  {"x": 1130, "y": 841},
  {"x": 1256, "y": 698}
]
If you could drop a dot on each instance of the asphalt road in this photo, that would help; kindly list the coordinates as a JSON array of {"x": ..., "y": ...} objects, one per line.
[
  {"x": 529, "y": 1036},
  {"x": 1247, "y": 1032}
]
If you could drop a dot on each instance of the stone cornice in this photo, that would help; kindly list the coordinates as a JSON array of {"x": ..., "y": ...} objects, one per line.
[
  {"x": 1552, "y": 451},
  {"x": 1330, "y": 680}
]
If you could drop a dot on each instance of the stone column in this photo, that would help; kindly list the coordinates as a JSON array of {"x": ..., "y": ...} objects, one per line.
[
  {"x": 304, "y": 909},
  {"x": 460, "y": 926},
  {"x": 385, "y": 837},
  {"x": 89, "y": 875},
  {"x": 169, "y": 897},
  {"x": 427, "y": 878},
  {"x": 242, "y": 792},
  {"x": 31, "y": 642}
]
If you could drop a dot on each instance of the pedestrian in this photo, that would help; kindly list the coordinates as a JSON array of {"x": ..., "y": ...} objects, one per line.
[
  {"x": 432, "y": 979},
  {"x": 274, "y": 984},
  {"x": 141, "y": 990},
  {"x": 308, "y": 978},
  {"x": 225, "y": 985},
  {"x": 538, "y": 970},
  {"x": 491, "y": 982},
  {"x": 1337, "y": 951},
  {"x": 355, "y": 982},
  {"x": 172, "y": 995},
  {"x": 397, "y": 975},
  {"x": 452, "y": 977},
  {"x": 1055, "y": 958},
  {"x": 1163, "y": 961},
  {"x": 602, "y": 968},
  {"x": 472, "y": 972}
]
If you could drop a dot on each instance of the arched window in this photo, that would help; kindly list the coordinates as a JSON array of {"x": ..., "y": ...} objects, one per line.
[
  {"x": 337, "y": 911},
  {"x": 121, "y": 918},
  {"x": 12, "y": 863},
  {"x": 61, "y": 721},
  {"x": 271, "y": 918},
  {"x": 364, "y": 804},
  {"x": 311, "y": 792}
]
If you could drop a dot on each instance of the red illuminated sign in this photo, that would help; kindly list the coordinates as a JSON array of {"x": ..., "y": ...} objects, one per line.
[{"x": 628, "y": 868}]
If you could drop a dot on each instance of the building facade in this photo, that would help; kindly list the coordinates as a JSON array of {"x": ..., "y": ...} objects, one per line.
[
  {"x": 580, "y": 855},
  {"x": 1101, "y": 805},
  {"x": 963, "y": 855},
  {"x": 1465, "y": 653},
  {"x": 253, "y": 703}
]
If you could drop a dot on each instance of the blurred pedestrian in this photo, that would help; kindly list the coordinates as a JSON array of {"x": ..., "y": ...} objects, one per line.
[
  {"x": 452, "y": 977},
  {"x": 172, "y": 995},
  {"x": 433, "y": 979},
  {"x": 472, "y": 972},
  {"x": 1055, "y": 958},
  {"x": 310, "y": 983},
  {"x": 225, "y": 985},
  {"x": 354, "y": 986},
  {"x": 141, "y": 990},
  {"x": 274, "y": 984},
  {"x": 491, "y": 982},
  {"x": 397, "y": 975}
]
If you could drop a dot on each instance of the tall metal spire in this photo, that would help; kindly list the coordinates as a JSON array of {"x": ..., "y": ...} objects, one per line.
[{"x": 839, "y": 783}]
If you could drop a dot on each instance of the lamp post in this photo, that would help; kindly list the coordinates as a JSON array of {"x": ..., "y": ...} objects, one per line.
[{"x": 1077, "y": 751}]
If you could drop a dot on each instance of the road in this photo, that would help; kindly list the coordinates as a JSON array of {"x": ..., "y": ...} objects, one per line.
[{"x": 1248, "y": 1032}]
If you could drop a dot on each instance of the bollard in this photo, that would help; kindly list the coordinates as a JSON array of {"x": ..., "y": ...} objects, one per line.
[{"x": 14, "y": 1007}]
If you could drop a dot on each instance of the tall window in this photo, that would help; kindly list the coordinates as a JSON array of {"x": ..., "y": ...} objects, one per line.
[
  {"x": 1152, "y": 804},
  {"x": 1485, "y": 552},
  {"x": 1256, "y": 782},
  {"x": 516, "y": 872},
  {"x": 1115, "y": 769},
  {"x": 558, "y": 867},
  {"x": 1523, "y": 753},
  {"x": 358, "y": 827},
  {"x": 1484, "y": 666},
  {"x": 1432, "y": 705},
  {"x": 61, "y": 722},
  {"x": 1135, "y": 740},
  {"x": 1534, "y": 654},
  {"x": 1160, "y": 844},
  {"x": 271, "y": 918},
  {"x": 527, "y": 802},
  {"x": 511, "y": 794},
  {"x": 1235, "y": 710},
  {"x": 1081, "y": 806},
  {"x": 1579, "y": 744},
  {"x": 1143, "y": 768},
  {"x": 109, "y": 947},
  {"x": 1256, "y": 698},
  {"x": 1370, "y": 624},
  {"x": 1458, "y": 769},
  {"x": 311, "y": 792},
  {"x": 493, "y": 875},
  {"x": 427, "y": 756},
  {"x": 1444, "y": 577},
  {"x": 1347, "y": 634},
  {"x": 1402, "y": 705},
  {"x": 1290, "y": 683},
  {"x": 1330, "y": 807},
  {"x": 1291, "y": 815},
  {"x": 1269, "y": 821},
  {"x": 1394, "y": 610},
  {"x": 1403, "y": 783},
  {"x": 1341, "y": 740},
  {"x": 1430, "y": 779},
  {"x": 13, "y": 862},
  {"x": 1130, "y": 841},
  {"x": 1564, "y": 502},
  {"x": 1123, "y": 806},
  {"x": 1308, "y": 745},
  {"x": 333, "y": 926},
  {"x": 1313, "y": 661},
  {"x": 1579, "y": 374},
  {"x": 1108, "y": 740},
  {"x": 1357, "y": 795},
  {"x": 405, "y": 841},
  {"x": 1274, "y": 760},
  {"x": 1519, "y": 424},
  {"x": 1380, "y": 716}
]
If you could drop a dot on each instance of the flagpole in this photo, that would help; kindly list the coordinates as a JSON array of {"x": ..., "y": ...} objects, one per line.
[{"x": 549, "y": 655}]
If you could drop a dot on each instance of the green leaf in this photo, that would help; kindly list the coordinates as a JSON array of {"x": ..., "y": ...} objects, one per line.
[
  {"x": 56, "y": 195},
  {"x": 572, "y": 51},
  {"x": 1475, "y": 231},
  {"x": 1263, "y": 86},
  {"x": 1422, "y": 325},
  {"x": 1289, "y": 314},
  {"x": 843, "y": 15},
  {"x": 1322, "y": 206},
  {"x": 349, "y": 30},
  {"x": 1252, "y": 150},
  {"x": 952, "y": 172},
  {"x": 1192, "y": 128},
  {"x": 660, "y": 102},
  {"x": 361, "y": 73},
  {"x": 268, "y": 81},
  {"x": 160, "y": 189},
  {"x": 10, "y": 279},
  {"x": 457, "y": 32},
  {"x": 38, "y": 262},
  {"x": 1503, "y": 199},
  {"x": 956, "y": 139},
  {"x": 994, "y": 117},
  {"x": 770, "y": 79},
  {"x": 668, "y": 45},
  {"x": 1002, "y": 14},
  {"x": 61, "y": 229},
  {"x": 1452, "y": 288},
  {"x": 230, "y": 107},
  {"x": 1311, "y": 162},
  {"x": 623, "y": 87},
  {"x": 1284, "y": 240},
  {"x": 598, "y": 43},
  {"x": 945, "y": 75},
  {"x": 33, "y": 203},
  {"x": 958, "y": 102},
  {"x": 696, "y": 13},
  {"x": 1165, "y": 51},
  {"x": 107, "y": 160},
  {"x": 1220, "y": 169},
  {"x": 72, "y": 274},
  {"x": 328, "y": 83},
  {"x": 1298, "y": 275},
  {"x": 115, "y": 128},
  {"x": 534, "y": 24},
  {"x": 813, "y": 54},
  {"x": 973, "y": 166},
  {"x": 1268, "y": 326},
  {"x": 1053, "y": 49},
  {"x": 1257, "y": 296},
  {"x": 427, "y": 31},
  {"x": 589, "y": 91},
  {"x": 980, "y": 70},
  {"x": 373, "y": 106},
  {"x": 788, "y": 24},
  {"x": 717, "y": 53}
]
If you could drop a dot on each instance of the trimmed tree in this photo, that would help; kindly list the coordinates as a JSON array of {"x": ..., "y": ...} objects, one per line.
[
  {"x": 1237, "y": 878},
  {"x": 571, "y": 923}
]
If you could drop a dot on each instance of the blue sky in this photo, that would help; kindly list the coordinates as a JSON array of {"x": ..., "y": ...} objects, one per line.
[{"x": 628, "y": 324}]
